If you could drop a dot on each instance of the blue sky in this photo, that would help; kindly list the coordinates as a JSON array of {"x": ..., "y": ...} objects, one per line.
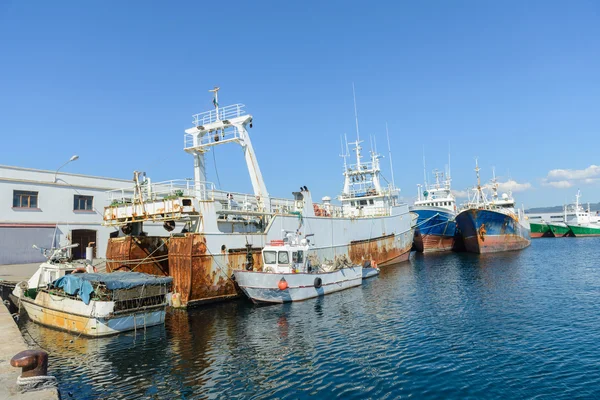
[{"x": 516, "y": 84}]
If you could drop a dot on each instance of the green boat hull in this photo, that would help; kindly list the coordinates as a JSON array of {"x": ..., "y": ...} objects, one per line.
[
  {"x": 560, "y": 230},
  {"x": 540, "y": 230},
  {"x": 579, "y": 231}
]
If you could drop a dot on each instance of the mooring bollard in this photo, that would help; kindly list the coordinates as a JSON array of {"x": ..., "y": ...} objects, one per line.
[{"x": 34, "y": 373}]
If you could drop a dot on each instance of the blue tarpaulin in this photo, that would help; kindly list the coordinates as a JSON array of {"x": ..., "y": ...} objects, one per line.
[{"x": 82, "y": 284}]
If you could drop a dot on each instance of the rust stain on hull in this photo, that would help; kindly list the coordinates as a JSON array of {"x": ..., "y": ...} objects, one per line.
[
  {"x": 384, "y": 250},
  {"x": 152, "y": 251},
  {"x": 201, "y": 277},
  {"x": 60, "y": 320}
]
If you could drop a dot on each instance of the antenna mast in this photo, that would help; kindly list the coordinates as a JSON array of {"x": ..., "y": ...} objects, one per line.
[
  {"x": 424, "y": 168},
  {"x": 448, "y": 164},
  {"x": 344, "y": 153},
  {"x": 390, "y": 153},
  {"x": 355, "y": 113},
  {"x": 216, "y": 100}
]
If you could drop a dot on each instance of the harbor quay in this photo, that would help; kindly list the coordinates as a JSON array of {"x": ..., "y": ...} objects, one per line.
[{"x": 12, "y": 344}]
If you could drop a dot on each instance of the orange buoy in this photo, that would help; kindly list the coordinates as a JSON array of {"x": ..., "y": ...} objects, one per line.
[{"x": 282, "y": 285}]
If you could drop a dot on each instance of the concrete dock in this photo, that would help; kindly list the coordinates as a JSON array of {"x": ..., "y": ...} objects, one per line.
[{"x": 12, "y": 342}]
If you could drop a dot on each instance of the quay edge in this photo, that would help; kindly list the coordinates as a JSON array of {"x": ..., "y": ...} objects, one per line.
[{"x": 11, "y": 344}]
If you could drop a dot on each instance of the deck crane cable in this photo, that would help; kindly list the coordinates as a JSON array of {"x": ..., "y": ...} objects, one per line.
[{"x": 216, "y": 169}]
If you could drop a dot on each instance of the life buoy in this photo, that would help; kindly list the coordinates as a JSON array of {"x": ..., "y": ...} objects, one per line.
[{"x": 318, "y": 283}]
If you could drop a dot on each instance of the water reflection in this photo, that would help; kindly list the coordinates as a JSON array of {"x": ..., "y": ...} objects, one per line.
[{"x": 459, "y": 325}]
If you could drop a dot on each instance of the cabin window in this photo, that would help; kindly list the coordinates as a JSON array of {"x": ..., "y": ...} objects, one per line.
[
  {"x": 363, "y": 202},
  {"x": 270, "y": 257},
  {"x": 352, "y": 204},
  {"x": 371, "y": 201},
  {"x": 25, "y": 199},
  {"x": 298, "y": 257},
  {"x": 83, "y": 203},
  {"x": 284, "y": 257}
]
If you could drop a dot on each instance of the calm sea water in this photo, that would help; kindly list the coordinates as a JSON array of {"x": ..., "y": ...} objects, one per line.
[{"x": 515, "y": 325}]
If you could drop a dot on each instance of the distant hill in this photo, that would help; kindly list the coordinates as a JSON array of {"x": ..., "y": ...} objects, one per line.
[{"x": 559, "y": 209}]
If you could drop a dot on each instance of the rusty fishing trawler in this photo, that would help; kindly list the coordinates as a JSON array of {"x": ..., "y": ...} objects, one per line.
[
  {"x": 489, "y": 226},
  {"x": 214, "y": 232},
  {"x": 436, "y": 208}
]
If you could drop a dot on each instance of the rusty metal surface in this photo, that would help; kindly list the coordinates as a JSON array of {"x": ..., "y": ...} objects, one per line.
[
  {"x": 32, "y": 362},
  {"x": 58, "y": 319},
  {"x": 200, "y": 276},
  {"x": 384, "y": 250},
  {"x": 153, "y": 250}
]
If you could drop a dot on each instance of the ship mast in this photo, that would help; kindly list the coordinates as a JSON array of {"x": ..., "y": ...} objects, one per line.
[
  {"x": 224, "y": 125},
  {"x": 390, "y": 153},
  {"x": 216, "y": 100},
  {"x": 479, "y": 191}
]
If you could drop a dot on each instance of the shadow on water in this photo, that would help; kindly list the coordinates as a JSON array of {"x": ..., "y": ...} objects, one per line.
[{"x": 518, "y": 324}]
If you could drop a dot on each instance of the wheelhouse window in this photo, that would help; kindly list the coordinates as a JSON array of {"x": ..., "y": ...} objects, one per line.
[
  {"x": 83, "y": 203},
  {"x": 270, "y": 257},
  {"x": 298, "y": 257},
  {"x": 284, "y": 257},
  {"x": 25, "y": 199}
]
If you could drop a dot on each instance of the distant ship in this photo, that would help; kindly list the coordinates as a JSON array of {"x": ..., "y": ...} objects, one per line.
[
  {"x": 539, "y": 227},
  {"x": 492, "y": 226},
  {"x": 436, "y": 210},
  {"x": 558, "y": 227},
  {"x": 582, "y": 222}
]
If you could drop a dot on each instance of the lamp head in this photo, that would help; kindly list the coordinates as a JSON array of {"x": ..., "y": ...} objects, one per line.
[{"x": 74, "y": 158}]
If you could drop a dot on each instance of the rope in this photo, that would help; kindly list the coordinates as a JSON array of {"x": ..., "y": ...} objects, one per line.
[
  {"x": 428, "y": 219},
  {"x": 216, "y": 169},
  {"x": 217, "y": 265},
  {"x": 34, "y": 383},
  {"x": 142, "y": 260}
]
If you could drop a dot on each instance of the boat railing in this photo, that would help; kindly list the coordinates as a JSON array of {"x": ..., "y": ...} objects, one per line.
[
  {"x": 162, "y": 191},
  {"x": 219, "y": 114},
  {"x": 204, "y": 139},
  {"x": 364, "y": 167}
]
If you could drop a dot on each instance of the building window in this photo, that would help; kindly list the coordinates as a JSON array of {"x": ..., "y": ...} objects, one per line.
[
  {"x": 83, "y": 203},
  {"x": 25, "y": 199}
]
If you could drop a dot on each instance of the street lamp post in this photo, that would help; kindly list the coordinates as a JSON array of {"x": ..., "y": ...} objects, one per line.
[{"x": 70, "y": 159}]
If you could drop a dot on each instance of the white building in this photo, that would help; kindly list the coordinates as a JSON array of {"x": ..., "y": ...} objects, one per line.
[{"x": 44, "y": 208}]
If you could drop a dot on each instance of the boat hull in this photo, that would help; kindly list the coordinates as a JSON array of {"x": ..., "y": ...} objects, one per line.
[
  {"x": 583, "y": 231},
  {"x": 435, "y": 230},
  {"x": 560, "y": 230},
  {"x": 262, "y": 287},
  {"x": 94, "y": 319},
  {"x": 369, "y": 272},
  {"x": 489, "y": 231},
  {"x": 201, "y": 264},
  {"x": 540, "y": 230}
]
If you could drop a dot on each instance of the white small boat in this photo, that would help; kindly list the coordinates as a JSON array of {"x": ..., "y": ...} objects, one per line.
[
  {"x": 71, "y": 297},
  {"x": 370, "y": 272},
  {"x": 288, "y": 275}
]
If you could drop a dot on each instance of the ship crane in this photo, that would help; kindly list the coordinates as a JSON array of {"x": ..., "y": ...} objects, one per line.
[{"x": 225, "y": 125}]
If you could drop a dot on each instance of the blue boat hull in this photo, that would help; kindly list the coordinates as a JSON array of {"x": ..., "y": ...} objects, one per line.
[
  {"x": 488, "y": 231},
  {"x": 435, "y": 230}
]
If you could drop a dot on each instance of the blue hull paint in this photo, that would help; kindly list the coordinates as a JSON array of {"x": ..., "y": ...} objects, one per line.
[
  {"x": 435, "y": 230},
  {"x": 488, "y": 231}
]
